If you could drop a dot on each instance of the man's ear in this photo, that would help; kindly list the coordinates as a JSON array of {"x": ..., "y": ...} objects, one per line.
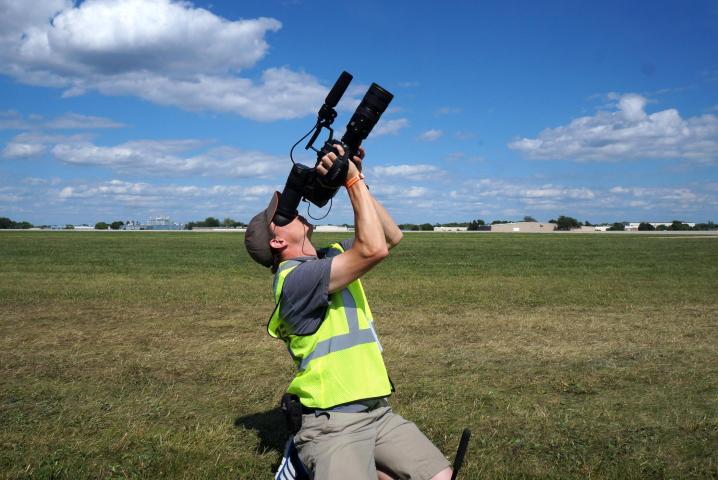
[{"x": 278, "y": 243}]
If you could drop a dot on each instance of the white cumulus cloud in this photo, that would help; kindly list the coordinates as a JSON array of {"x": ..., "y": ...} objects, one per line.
[
  {"x": 448, "y": 111},
  {"x": 174, "y": 158},
  {"x": 76, "y": 121},
  {"x": 77, "y": 201},
  {"x": 114, "y": 195},
  {"x": 33, "y": 144},
  {"x": 628, "y": 132},
  {"x": 165, "y": 51},
  {"x": 431, "y": 135},
  {"x": 531, "y": 193},
  {"x": 22, "y": 150},
  {"x": 413, "y": 172},
  {"x": 683, "y": 196},
  {"x": 11, "y": 120},
  {"x": 544, "y": 200},
  {"x": 390, "y": 127}
]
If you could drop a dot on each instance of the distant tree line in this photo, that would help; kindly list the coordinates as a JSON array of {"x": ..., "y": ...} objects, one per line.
[
  {"x": 567, "y": 223},
  {"x": 475, "y": 224},
  {"x": 6, "y": 223},
  {"x": 211, "y": 222},
  {"x": 678, "y": 225},
  {"x": 412, "y": 227},
  {"x": 675, "y": 226},
  {"x": 116, "y": 225}
]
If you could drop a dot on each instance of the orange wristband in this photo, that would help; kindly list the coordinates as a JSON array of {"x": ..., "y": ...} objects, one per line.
[{"x": 350, "y": 183}]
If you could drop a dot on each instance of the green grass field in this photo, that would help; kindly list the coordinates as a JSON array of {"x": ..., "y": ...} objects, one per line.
[{"x": 145, "y": 355}]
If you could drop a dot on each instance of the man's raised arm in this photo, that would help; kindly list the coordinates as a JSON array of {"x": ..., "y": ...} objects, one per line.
[
  {"x": 370, "y": 244},
  {"x": 392, "y": 233}
]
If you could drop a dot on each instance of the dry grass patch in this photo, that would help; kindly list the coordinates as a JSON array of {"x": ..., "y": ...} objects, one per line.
[{"x": 146, "y": 356}]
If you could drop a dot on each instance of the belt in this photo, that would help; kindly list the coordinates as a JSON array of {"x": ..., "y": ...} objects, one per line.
[{"x": 354, "y": 407}]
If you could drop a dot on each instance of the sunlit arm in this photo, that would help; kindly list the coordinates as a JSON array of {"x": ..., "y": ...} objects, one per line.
[{"x": 392, "y": 233}]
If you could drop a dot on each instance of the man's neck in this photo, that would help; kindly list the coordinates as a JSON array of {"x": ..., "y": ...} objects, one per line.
[{"x": 299, "y": 250}]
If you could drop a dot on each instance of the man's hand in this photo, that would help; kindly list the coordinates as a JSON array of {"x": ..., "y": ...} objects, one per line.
[
  {"x": 328, "y": 160},
  {"x": 358, "y": 158}
]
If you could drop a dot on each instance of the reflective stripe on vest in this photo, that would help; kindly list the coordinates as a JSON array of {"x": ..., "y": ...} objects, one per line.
[{"x": 348, "y": 340}]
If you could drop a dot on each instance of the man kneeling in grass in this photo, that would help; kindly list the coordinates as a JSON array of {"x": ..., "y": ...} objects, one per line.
[{"x": 348, "y": 430}]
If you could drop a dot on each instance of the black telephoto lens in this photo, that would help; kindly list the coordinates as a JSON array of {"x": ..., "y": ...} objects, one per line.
[
  {"x": 365, "y": 117},
  {"x": 377, "y": 98}
]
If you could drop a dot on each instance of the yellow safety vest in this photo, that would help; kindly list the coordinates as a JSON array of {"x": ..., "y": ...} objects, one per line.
[{"x": 341, "y": 362}]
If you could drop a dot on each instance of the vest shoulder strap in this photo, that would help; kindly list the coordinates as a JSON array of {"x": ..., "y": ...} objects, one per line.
[{"x": 284, "y": 269}]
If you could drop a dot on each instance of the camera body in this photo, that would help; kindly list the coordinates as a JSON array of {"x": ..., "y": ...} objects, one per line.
[{"x": 305, "y": 182}]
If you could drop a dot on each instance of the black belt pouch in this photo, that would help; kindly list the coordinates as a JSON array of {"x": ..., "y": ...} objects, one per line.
[{"x": 292, "y": 409}]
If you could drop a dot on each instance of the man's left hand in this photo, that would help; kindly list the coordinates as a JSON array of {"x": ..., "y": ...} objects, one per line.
[{"x": 357, "y": 159}]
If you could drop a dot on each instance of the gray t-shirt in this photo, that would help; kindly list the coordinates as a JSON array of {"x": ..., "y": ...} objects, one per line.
[{"x": 305, "y": 293}]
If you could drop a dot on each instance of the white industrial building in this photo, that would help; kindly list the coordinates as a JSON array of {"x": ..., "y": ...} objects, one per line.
[
  {"x": 331, "y": 228},
  {"x": 591, "y": 229},
  {"x": 534, "y": 227},
  {"x": 451, "y": 229},
  {"x": 161, "y": 223}
]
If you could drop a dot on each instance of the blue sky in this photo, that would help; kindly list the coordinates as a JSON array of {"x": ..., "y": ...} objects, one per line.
[{"x": 126, "y": 109}]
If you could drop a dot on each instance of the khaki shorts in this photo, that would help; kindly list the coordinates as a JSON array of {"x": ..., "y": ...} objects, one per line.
[{"x": 351, "y": 445}]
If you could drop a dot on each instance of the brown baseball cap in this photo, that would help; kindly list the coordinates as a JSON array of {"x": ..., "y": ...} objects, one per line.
[{"x": 259, "y": 233}]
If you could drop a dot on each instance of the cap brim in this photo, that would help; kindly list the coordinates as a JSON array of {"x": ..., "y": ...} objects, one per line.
[{"x": 259, "y": 233}]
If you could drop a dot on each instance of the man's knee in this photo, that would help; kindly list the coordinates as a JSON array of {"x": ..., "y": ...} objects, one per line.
[
  {"x": 445, "y": 474},
  {"x": 383, "y": 476}
]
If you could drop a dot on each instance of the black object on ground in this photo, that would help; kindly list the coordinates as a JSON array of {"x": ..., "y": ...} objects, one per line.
[{"x": 463, "y": 446}]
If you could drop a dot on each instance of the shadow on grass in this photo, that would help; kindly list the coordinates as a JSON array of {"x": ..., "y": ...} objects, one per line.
[{"x": 270, "y": 427}]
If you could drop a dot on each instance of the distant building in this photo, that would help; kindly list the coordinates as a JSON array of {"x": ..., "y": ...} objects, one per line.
[
  {"x": 219, "y": 229},
  {"x": 161, "y": 223},
  {"x": 668, "y": 224},
  {"x": 451, "y": 229},
  {"x": 331, "y": 228},
  {"x": 534, "y": 227},
  {"x": 591, "y": 229},
  {"x": 153, "y": 223},
  {"x": 132, "y": 225}
]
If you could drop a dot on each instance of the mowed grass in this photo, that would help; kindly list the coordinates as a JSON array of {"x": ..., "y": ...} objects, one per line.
[{"x": 145, "y": 355}]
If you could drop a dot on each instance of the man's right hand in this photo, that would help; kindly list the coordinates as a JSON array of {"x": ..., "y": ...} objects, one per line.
[{"x": 328, "y": 160}]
